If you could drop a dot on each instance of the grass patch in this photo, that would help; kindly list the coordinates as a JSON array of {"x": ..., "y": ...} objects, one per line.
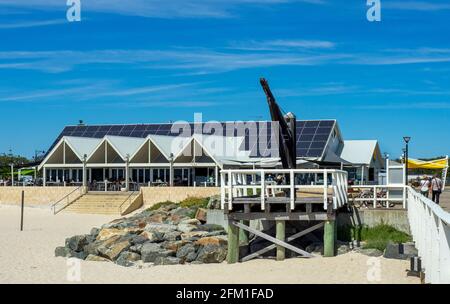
[
  {"x": 194, "y": 202},
  {"x": 375, "y": 238},
  {"x": 159, "y": 205}
]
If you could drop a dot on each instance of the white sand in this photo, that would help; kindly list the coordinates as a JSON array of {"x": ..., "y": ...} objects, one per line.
[{"x": 28, "y": 257}]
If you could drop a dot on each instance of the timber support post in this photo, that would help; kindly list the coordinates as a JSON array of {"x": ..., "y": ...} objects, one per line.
[
  {"x": 243, "y": 234},
  {"x": 281, "y": 235},
  {"x": 233, "y": 243},
  {"x": 329, "y": 238}
]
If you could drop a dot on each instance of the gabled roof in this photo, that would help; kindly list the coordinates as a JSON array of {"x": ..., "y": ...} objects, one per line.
[
  {"x": 312, "y": 135},
  {"x": 359, "y": 152},
  {"x": 82, "y": 146},
  {"x": 125, "y": 145},
  {"x": 169, "y": 144}
]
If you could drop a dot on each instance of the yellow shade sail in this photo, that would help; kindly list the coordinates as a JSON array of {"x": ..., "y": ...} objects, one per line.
[{"x": 432, "y": 164}]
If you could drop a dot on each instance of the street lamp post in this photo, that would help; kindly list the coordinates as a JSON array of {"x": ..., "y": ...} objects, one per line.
[
  {"x": 12, "y": 174},
  {"x": 407, "y": 139},
  {"x": 171, "y": 159}
]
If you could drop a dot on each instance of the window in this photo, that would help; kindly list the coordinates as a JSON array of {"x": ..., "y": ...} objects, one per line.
[{"x": 371, "y": 174}]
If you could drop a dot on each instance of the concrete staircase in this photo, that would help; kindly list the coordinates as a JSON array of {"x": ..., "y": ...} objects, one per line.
[{"x": 106, "y": 203}]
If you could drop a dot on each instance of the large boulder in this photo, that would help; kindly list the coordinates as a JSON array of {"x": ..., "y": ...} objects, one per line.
[
  {"x": 162, "y": 228},
  {"x": 62, "y": 251},
  {"x": 151, "y": 251},
  {"x": 128, "y": 258},
  {"x": 153, "y": 236},
  {"x": 113, "y": 251},
  {"x": 157, "y": 218},
  {"x": 182, "y": 212},
  {"x": 136, "y": 248},
  {"x": 212, "y": 254},
  {"x": 169, "y": 260},
  {"x": 95, "y": 231},
  {"x": 190, "y": 221},
  {"x": 175, "y": 219},
  {"x": 187, "y": 253},
  {"x": 173, "y": 245},
  {"x": 92, "y": 248},
  {"x": 209, "y": 240},
  {"x": 96, "y": 258},
  {"x": 107, "y": 233},
  {"x": 172, "y": 236},
  {"x": 185, "y": 227},
  {"x": 77, "y": 242},
  {"x": 193, "y": 235},
  {"x": 79, "y": 255},
  {"x": 138, "y": 239},
  {"x": 315, "y": 248},
  {"x": 211, "y": 228},
  {"x": 201, "y": 215}
]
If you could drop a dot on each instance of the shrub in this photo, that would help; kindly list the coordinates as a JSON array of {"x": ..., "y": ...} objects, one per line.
[
  {"x": 160, "y": 205},
  {"x": 194, "y": 202},
  {"x": 379, "y": 236},
  {"x": 376, "y": 237}
]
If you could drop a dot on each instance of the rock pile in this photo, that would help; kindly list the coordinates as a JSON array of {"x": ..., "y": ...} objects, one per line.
[{"x": 166, "y": 236}]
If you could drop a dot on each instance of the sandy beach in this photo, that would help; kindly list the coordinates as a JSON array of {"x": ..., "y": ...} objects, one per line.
[{"x": 28, "y": 257}]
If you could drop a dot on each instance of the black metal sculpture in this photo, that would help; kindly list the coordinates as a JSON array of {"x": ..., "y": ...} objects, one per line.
[{"x": 287, "y": 126}]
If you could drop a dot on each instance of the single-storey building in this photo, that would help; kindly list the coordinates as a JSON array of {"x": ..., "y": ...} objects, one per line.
[{"x": 107, "y": 156}]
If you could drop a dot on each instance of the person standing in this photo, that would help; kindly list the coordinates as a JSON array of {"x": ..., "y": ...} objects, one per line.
[
  {"x": 436, "y": 188},
  {"x": 425, "y": 185}
]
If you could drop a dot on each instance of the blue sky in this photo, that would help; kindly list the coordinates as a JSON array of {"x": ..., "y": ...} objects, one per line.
[{"x": 149, "y": 61}]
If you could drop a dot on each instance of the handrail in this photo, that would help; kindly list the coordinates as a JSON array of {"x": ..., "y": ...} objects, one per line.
[
  {"x": 126, "y": 200},
  {"x": 430, "y": 228},
  {"x": 375, "y": 199},
  {"x": 65, "y": 197},
  {"x": 236, "y": 182}
]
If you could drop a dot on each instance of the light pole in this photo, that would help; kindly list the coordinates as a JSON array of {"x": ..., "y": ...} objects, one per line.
[
  {"x": 407, "y": 139},
  {"x": 12, "y": 173},
  {"x": 127, "y": 173},
  {"x": 84, "y": 173},
  {"x": 171, "y": 170}
]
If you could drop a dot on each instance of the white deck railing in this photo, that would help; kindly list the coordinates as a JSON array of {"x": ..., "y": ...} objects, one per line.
[
  {"x": 379, "y": 194},
  {"x": 238, "y": 183},
  {"x": 430, "y": 228}
]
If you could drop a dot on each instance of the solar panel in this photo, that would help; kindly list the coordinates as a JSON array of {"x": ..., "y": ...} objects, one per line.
[{"x": 312, "y": 136}]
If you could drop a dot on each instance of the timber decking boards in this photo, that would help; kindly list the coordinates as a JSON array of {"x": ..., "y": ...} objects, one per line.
[{"x": 98, "y": 203}]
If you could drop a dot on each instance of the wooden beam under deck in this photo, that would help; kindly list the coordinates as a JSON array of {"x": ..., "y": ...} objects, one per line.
[
  {"x": 277, "y": 200},
  {"x": 287, "y": 216}
]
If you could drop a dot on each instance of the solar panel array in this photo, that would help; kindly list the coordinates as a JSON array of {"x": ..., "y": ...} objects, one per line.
[{"x": 312, "y": 136}]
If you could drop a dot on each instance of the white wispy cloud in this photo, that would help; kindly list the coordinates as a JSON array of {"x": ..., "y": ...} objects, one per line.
[
  {"x": 320, "y": 90},
  {"x": 406, "y": 106},
  {"x": 282, "y": 45},
  {"x": 111, "y": 93},
  {"x": 166, "y": 104},
  {"x": 26, "y": 24},
  {"x": 159, "y": 8},
  {"x": 416, "y": 5},
  {"x": 403, "y": 56},
  {"x": 194, "y": 60}
]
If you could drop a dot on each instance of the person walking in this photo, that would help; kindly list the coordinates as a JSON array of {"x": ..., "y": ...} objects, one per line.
[
  {"x": 425, "y": 185},
  {"x": 436, "y": 188}
]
